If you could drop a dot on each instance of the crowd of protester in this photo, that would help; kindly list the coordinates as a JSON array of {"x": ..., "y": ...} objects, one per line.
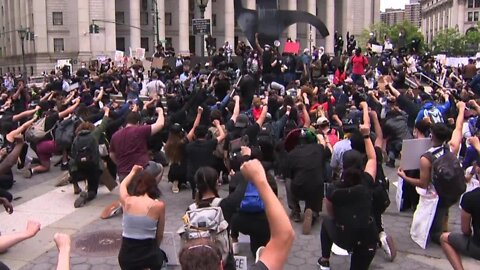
[{"x": 324, "y": 125}]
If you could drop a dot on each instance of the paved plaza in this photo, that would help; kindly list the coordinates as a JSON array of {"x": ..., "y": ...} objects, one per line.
[{"x": 95, "y": 242}]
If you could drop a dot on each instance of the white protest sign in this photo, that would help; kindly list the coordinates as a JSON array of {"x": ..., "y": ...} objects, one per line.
[
  {"x": 119, "y": 56},
  {"x": 241, "y": 262},
  {"x": 377, "y": 48},
  {"x": 73, "y": 86},
  {"x": 412, "y": 150},
  {"x": 140, "y": 53},
  {"x": 169, "y": 247}
]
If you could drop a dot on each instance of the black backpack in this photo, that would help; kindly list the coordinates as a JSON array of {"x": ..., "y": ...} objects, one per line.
[
  {"x": 448, "y": 176},
  {"x": 353, "y": 207},
  {"x": 65, "y": 132},
  {"x": 85, "y": 151}
]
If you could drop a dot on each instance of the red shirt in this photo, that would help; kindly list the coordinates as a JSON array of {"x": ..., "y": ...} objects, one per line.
[
  {"x": 256, "y": 113},
  {"x": 358, "y": 64},
  {"x": 130, "y": 147},
  {"x": 339, "y": 77}
]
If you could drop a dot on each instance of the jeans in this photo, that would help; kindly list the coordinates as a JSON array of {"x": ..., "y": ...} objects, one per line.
[
  {"x": 312, "y": 196},
  {"x": 92, "y": 176},
  {"x": 254, "y": 225},
  {"x": 436, "y": 230},
  {"x": 362, "y": 244}
]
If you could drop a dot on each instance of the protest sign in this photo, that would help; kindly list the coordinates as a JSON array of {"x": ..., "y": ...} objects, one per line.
[
  {"x": 241, "y": 262},
  {"x": 292, "y": 47},
  {"x": 412, "y": 150}
]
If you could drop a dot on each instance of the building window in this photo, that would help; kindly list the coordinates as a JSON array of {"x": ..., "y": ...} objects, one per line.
[
  {"x": 477, "y": 3},
  {"x": 470, "y": 3},
  {"x": 470, "y": 16},
  {"x": 57, "y": 18},
  {"x": 120, "y": 17},
  {"x": 475, "y": 16},
  {"x": 144, "y": 4},
  {"x": 168, "y": 19},
  {"x": 58, "y": 45},
  {"x": 143, "y": 18},
  {"x": 214, "y": 20},
  {"x": 145, "y": 43},
  {"x": 31, "y": 71},
  {"x": 168, "y": 41},
  {"x": 120, "y": 44}
]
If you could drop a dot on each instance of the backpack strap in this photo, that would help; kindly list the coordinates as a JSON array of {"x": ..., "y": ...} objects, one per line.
[{"x": 216, "y": 202}]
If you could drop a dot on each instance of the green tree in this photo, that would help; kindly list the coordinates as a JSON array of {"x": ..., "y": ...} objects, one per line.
[
  {"x": 383, "y": 30},
  {"x": 449, "y": 41}
]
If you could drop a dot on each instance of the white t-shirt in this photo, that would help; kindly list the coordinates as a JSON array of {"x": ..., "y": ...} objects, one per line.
[{"x": 155, "y": 87}]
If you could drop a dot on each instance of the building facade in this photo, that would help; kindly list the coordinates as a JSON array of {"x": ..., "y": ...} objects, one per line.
[
  {"x": 413, "y": 13},
  {"x": 60, "y": 28},
  {"x": 392, "y": 16},
  {"x": 438, "y": 15}
]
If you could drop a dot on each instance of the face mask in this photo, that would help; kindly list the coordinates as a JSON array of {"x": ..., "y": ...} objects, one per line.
[
  {"x": 130, "y": 79},
  {"x": 255, "y": 55}
]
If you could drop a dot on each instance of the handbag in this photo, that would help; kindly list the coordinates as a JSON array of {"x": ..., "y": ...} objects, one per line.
[{"x": 423, "y": 216}]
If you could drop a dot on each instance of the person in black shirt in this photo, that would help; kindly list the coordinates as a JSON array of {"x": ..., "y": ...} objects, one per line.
[
  {"x": 305, "y": 168},
  {"x": 199, "y": 152},
  {"x": 467, "y": 242},
  {"x": 348, "y": 203},
  {"x": 219, "y": 58},
  {"x": 221, "y": 85}
]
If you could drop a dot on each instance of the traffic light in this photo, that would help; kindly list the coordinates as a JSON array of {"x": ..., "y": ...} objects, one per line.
[{"x": 94, "y": 29}]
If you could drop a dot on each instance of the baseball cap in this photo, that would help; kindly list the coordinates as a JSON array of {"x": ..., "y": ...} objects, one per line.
[
  {"x": 322, "y": 120},
  {"x": 242, "y": 121}
]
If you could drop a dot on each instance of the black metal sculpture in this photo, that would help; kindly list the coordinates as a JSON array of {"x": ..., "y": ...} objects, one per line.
[{"x": 269, "y": 22}]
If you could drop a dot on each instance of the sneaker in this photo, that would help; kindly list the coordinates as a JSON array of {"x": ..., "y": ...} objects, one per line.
[
  {"x": 323, "y": 264},
  {"x": 235, "y": 248},
  {"x": 307, "y": 221},
  {"x": 388, "y": 246},
  {"x": 27, "y": 173},
  {"x": 295, "y": 216},
  {"x": 175, "y": 188},
  {"x": 63, "y": 180},
  {"x": 64, "y": 167},
  {"x": 258, "y": 254},
  {"x": 111, "y": 210},
  {"x": 81, "y": 200}
]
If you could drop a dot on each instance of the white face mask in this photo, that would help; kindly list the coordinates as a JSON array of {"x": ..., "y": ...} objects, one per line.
[{"x": 255, "y": 55}]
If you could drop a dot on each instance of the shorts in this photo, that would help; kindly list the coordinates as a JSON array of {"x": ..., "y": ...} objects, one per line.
[
  {"x": 151, "y": 168},
  {"x": 45, "y": 150},
  {"x": 464, "y": 245}
]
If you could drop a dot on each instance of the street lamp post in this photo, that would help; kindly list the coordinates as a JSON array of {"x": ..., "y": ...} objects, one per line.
[
  {"x": 155, "y": 18},
  {"x": 202, "y": 4},
  {"x": 23, "y": 34}
]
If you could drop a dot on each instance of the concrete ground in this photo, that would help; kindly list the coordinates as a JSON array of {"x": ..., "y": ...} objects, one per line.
[{"x": 38, "y": 199}]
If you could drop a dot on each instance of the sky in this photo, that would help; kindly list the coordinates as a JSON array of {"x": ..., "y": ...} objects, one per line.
[{"x": 392, "y": 4}]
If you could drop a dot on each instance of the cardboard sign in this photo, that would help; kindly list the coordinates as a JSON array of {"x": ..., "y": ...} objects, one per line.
[
  {"x": 412, "y": 150},
  {"x": 140, "y": 53},
  {"x": 377, "y": 48},
  {"x": 119, "y": 56},
  {"x": 292, "y": 47},
  {"x": 241, "y": 262},
  {"x": 169, "y": 246},
  {"x": 157, "y": 62}
]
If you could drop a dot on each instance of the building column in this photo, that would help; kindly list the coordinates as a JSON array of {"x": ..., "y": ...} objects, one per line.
[
  {"x": 248, "y": 4},
  {"x": 230, "y": 23},
  {"x": 292, "y": 29},
  {"x": 367, "y": 14},
  {"x": 183, "y": 28},
  {"x": 110, "y": 28},
  {"x": 330, "y": 40},
  {"x": 461, "y": 16},
  {"x": 135, "y": 34},
  {"x": 376, "y": 14},
  {"x": 312, "y": 31},
  {"x": 208, "y": 15},
  {"x": 84, "y": 46},
  {"x": 454, "y": 14},
  {"x": 40, "y": 26},
  {"x": 347, "y": 15},
  {"x": 161, "y": 20}
]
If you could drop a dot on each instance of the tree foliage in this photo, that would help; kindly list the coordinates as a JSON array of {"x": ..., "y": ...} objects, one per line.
[
  {"x": 452, "y": 42},
  {"x": 382, "y": 31}
]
